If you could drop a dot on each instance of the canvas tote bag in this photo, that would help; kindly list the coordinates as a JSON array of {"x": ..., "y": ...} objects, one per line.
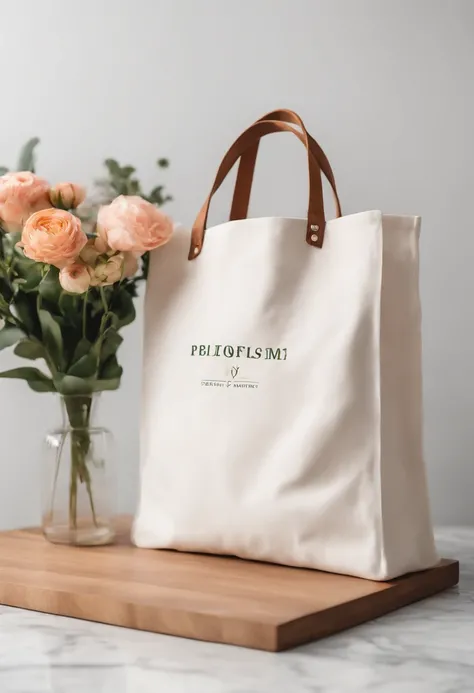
[{"x": 282, "y": 412}]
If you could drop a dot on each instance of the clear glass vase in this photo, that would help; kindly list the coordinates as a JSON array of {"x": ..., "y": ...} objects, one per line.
[{"x": 78, "y": 495}]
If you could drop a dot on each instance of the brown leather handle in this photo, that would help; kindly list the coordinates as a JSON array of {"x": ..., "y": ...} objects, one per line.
[
  {"x": 316, "y": 220},
  {"x": 245, "y": 173}
]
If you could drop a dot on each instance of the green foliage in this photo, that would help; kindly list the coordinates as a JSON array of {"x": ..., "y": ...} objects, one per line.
[
  {"x": 73, "y": 385},
  {"x": 50, "y": 288},
  {"x": 77, "y": 338},
  {"x": 38, "y": 381},
  {"x": 85, "y": 367},
  {"x": 30, "y": 349},
  {"x": 26, "y": 161},
  {"x": 111, "y": 369},
  {"x": 4, "y": 304},
  {"x": 123, "y": 308},
  {"x": 52, "y": 338},
  {"x": 10, "y": 336},
  {"x": 121, "y": 181},
  {"x": 83, "y": 347},
  {"x": 110, "y": 343},
  {"x": 68, "y": 304},
  {"x": 26, "y": 311}
]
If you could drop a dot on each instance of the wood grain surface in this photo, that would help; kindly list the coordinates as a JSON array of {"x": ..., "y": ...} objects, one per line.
[{"x": 224, "y": 600}]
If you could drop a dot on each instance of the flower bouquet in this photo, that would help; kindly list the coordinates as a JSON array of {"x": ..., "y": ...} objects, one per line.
[{"x": 65, "y": 296}]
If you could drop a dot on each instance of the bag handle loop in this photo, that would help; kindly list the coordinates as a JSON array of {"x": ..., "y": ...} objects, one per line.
[
  {"x": 245, "y": 173},
  {"x": 316, "y": 219}
]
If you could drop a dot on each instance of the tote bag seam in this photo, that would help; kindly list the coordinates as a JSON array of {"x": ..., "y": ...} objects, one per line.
[{"x": 378, "y": 441}]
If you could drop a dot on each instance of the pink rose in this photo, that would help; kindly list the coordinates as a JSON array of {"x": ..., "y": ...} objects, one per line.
[
  {"x": 21, "y": 194},
  {"x": 67, "y": 195},
  {"x": 75, "y": 278},
  {"x": 53, "y": 236},
  {"x": 130, "y": 223}
]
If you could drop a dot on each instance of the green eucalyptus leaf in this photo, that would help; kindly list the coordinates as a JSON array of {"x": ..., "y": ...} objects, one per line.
[
  {"x": 134, "y": 187},
  {"x": 163, "y": 163},
  {"x": 41, "y": 386},
  {"x": 50, "y": 288},
  {"x": 82, "y": 349},
  {"x": 25, "y": 309},
  {"x": 121, "y": 186},
  {"x": 26, "y": 162},
  {"x": 3, "y": 170},
  {"x": 38, "y": 381},
  {"x": 112, "y": 166},
  {"x": 111, "y": 369},
  {"x": 158, "y": 197},
  {"x": 103, "y": 385},
  {"x": 110, "y": 343},
  {"x": 4, "y": 306},
  {"x": 145, "y": 265},
  {"x": 29, "y": 349},
  {"x": 68, "y": 304},
  {"x": 157, "y": 193},
  {"x": 123, "y": 308},
  {"x": 127, "y": 171},
  {"x": 32, "y": 280},
  {"x": 73, "y": 385},
  {"x": 85, "y": 367},
  {"x": 52, "y": 337},
  {"x": 23, "y": 267},
  {"x": 9, "y": 336},
  {"x": 9, "y": 241}
]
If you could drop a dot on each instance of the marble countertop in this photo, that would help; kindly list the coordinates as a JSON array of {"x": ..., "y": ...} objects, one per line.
[{"x": 424, "y": 648}]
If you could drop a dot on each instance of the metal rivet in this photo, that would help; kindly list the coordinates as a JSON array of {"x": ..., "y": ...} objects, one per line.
[
  {"x": 314, "y": 237},
  {"x": 196, "y": 250},
  {"x": 314, "y": 227}
]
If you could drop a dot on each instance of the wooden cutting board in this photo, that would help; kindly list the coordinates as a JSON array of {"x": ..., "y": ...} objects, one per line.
[{"x": 224, "y": 600}]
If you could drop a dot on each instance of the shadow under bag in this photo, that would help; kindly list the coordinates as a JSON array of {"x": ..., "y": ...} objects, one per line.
[{"x": 282, "y": 404}]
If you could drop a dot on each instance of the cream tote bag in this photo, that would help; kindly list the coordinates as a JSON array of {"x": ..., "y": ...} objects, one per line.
[{"x": 282, "y": 406}]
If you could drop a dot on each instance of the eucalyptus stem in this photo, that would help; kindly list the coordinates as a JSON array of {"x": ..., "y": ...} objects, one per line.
[
  {"x": 104, "y": 300},
  {"x": 56, "y": 474},
  {"x": 73, "y": 492},
  {"x": 49, "y": 361},
  {"x": 78, "y": 410},
  {"x": 84, "y": 314}
]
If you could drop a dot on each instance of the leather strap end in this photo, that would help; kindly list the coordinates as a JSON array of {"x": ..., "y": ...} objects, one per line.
[
  {"x": 196, "y": 246},
  {"x": 315, "y": 234},
  {"x": 194, "y": 253}
]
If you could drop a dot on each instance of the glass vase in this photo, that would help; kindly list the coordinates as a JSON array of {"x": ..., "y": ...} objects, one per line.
[{"x": 78, "y": 495}]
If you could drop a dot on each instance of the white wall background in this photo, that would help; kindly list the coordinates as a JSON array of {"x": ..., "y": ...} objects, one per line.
[{"x": 387, "y": 86}]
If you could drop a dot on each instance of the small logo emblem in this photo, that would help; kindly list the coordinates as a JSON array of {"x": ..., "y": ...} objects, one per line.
[{"x": 235, "y": 382}]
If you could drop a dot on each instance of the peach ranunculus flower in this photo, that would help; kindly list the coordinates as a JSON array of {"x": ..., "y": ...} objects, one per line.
[
  {"x": 97, "y": 255},
  {"x": 130, "y": 223},
  {"x": 21, "y": 194},
  {"x": 90, "y": 252},
  {"x": 75, "y": 278},
  {"x": 107, "y": 270},
  {"x": 53, "y": 236},
  {"x": 67, "y": 195}
]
